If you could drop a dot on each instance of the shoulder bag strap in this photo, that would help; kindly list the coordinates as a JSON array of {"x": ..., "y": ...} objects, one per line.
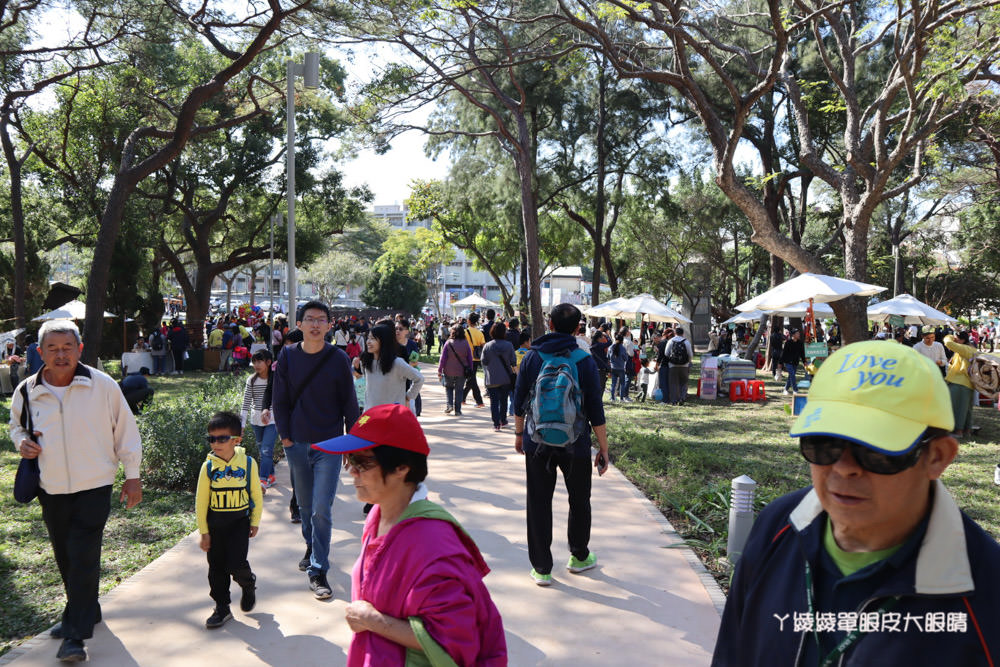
[
  {"x": 26, "y": 421},
  {"x": 310, "y": 375},
  {"x": 464, "y": 367}
]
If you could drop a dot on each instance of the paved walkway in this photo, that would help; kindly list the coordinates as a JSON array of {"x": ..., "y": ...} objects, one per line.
[{"x": 644, "y": 604}]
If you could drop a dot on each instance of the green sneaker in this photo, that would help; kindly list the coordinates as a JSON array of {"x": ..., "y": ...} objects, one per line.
[
  {"x": 541, "y": 579},
  {"x": 577, "y": 566}
]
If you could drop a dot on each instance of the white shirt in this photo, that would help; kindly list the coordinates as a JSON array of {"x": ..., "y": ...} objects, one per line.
[{"x": 934, "y": 352}]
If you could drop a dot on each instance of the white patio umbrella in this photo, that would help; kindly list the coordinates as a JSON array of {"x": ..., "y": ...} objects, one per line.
[
  {"x": 795, "y": 310},
  {"x": 813, "y": 287},
  {"x": 10, "y": 335},
  {"x": 607, "y": 309},
  {"x": 74, "y": 310},
  {"x": 911, "y": 309},
  {"x": 645, "y": 305},
  {"x": 475, "y": 300}
]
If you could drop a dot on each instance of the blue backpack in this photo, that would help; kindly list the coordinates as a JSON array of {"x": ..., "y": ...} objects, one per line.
[{"x": 555, "y": 416}]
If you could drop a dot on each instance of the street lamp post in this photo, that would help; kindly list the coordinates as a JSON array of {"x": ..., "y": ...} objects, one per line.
[
  {"x": 270, "y": 270},
  {"x": 310, "y": 78}
]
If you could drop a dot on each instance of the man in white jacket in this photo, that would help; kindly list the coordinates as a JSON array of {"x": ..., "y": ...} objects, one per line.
[{"x": 80, "y": 430}]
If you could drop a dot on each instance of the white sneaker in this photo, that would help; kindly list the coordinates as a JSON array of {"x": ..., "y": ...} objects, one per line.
[{"x": 785, "y": 392}]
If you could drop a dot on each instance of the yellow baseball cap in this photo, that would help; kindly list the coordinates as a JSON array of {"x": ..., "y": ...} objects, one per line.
[{"x": 880, "y": 396}]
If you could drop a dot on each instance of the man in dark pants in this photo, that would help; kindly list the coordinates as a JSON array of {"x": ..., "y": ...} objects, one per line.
[
  {"x": 573, "y": 460},
  {"x": 81, "y": 429},
  {"x": 314, "y": 400},
  {"x": 476, "y": 341}
]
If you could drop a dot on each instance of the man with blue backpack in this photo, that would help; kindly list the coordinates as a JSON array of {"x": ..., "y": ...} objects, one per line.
[{"x": 557, "y": 401}]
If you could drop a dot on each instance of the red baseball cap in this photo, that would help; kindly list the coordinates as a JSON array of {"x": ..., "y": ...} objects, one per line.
[{"x": 390, "y": 424}]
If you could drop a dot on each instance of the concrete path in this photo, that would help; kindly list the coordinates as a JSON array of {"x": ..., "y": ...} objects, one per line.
[{"x": 645, "y": 604}]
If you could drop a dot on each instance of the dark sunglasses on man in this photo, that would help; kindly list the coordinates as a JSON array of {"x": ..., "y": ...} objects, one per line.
[{"x": 825, "y": 450}]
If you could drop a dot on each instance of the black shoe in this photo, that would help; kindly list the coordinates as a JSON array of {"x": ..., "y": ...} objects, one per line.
[
  {"x": 296, "y": 517},
  {"x": 304, "y": 563},
  {"x": 320, "y": 587},
  {"x": 72, "y": 650},
  {"x": 57, "y": 633},
  {"x": 218, "y": 618},
  {"x": 249, "y": 597}
]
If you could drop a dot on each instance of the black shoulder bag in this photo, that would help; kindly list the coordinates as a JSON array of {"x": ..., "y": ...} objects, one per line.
[{"x": 28, "y": 478}]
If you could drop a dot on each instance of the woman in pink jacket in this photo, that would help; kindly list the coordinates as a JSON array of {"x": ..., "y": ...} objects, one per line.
[{"x": 417, "y": 590}]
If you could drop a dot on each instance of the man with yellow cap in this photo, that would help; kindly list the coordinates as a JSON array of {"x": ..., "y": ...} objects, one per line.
[{"x": 874, "y": 564}]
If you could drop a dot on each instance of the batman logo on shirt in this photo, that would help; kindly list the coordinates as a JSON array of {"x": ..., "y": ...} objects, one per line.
[{"x": 228, "y": 472}]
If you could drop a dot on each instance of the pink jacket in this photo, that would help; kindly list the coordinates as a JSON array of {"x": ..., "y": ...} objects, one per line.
[{"x": 427, "y": 567}]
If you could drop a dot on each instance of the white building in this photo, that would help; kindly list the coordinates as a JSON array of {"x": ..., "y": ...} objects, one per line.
[{"x": 455, "y": 280}]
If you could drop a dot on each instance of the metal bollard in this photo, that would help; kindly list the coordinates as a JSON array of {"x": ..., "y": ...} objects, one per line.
[{"x": 740, "y": 516}]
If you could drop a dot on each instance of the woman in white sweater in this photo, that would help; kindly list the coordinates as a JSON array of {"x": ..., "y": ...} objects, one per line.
[{"x": 385, "y": 372}]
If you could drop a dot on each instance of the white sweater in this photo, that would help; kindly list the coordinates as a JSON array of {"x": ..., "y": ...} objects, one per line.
[
  {"x": 83, "y": 439},
  {"x": 391, "y": 387}
]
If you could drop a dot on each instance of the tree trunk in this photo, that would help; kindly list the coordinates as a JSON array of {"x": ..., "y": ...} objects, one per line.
[
  {"x": 602, "y": 157},
  {"x": 529, "y": 216},
  {"x": 17, "y": 222}
]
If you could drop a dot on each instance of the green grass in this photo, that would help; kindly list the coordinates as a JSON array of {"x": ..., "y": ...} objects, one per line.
[
  {"x": 684, "y": 460},
  {"x": 31, "y": 595}
]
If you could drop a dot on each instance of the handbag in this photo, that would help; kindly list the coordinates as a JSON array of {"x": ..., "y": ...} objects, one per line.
[{"x": 27, "y": 481}]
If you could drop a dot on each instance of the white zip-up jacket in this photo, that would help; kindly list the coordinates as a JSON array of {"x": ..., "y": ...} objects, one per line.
[{"x": 83, "y": 438}]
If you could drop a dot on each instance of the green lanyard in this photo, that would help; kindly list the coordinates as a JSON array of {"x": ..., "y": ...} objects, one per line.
[{"x": 851, "y": 637}]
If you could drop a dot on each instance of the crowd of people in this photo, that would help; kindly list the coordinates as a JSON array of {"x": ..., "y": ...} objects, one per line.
[{"x": 875, "y": 534}]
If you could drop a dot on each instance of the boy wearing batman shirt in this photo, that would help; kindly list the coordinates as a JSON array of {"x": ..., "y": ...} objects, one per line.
[{"x": 228, "y": 505}]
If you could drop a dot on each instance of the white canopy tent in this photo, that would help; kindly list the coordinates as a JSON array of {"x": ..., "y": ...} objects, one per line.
[
  {"x": 911, "y": 309},
  {"x": 645, "y": 305},
  {"x": 74, "y": 310},
  {"x": 474, "y": 301}
]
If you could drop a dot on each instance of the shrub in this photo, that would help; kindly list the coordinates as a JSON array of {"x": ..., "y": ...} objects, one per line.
[{"x": 173, "y": 432}]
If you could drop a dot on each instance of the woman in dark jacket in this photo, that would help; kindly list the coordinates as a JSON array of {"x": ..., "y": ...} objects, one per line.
[{"x": 498, "y": 361}]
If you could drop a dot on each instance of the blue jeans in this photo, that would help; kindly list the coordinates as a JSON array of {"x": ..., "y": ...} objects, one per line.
[
  {"x": 619, "y": 384},
  {"x": 663, "y": 383},
  {"x": 790, "y": 379},
  {"x": 266, "y": 437},
  {"x": 498, "y": 403},
  {"x": 316, "y": 475},
  {"x": 159, "y": 362},
  {"x": 453, "y": 390}
]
